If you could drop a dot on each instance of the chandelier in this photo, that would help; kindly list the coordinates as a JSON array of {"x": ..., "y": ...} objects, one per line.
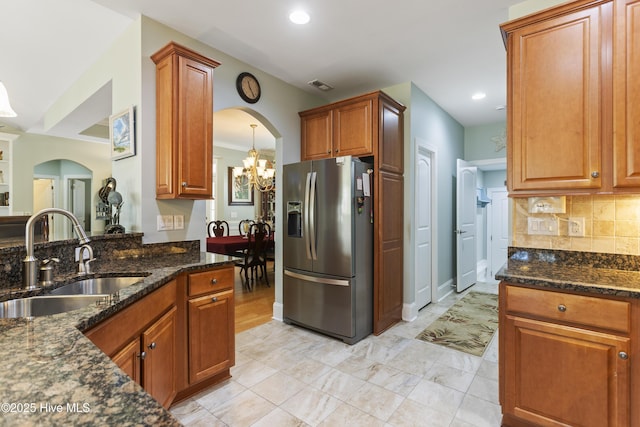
[{"x": 259, "y": 172}]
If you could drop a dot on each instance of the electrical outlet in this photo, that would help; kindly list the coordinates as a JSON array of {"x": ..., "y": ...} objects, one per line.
[
  {"x": 542, "y": 226},
  {"x": 576, "y": 227},
  {"x": 178, "y": 222},
  {"x": 164, "y": 222}
]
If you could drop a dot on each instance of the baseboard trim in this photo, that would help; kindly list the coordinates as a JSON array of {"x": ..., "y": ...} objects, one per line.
[
  {"x": 409, "y": 312},
  {"x": 445, "y": 289},
  {"x": 278, "y": 311}
]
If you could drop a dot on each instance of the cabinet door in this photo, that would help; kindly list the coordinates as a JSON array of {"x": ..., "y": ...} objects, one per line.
[
  {"x": 353, "y": 129},
  {"x": 555, "y": 73},
  {"x": 317, "y": 135},
  {"x": 159, "y": 369},
  {"x": 560, "y": 375},
  {"x": 388, "y": 252},
  {"x": 626, "y": 106},
  {"x": 211, "y": 335},
  {"x": 195, "y": 127},
  {"x": 128, "y": 359}
]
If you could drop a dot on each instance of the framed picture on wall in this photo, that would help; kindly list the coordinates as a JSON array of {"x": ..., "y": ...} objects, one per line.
[
  {"x": 122, "y": 134},
  {"x": 240, "y": 193}
]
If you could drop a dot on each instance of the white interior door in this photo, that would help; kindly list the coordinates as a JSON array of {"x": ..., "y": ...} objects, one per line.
[
  {"x": 43, "y": 197},
  {"x": 423, "y": 219},
  {"x": 498, "y": 230},
  {"x": 78, "y": 202},
  {"x": 466, "y": 269}
]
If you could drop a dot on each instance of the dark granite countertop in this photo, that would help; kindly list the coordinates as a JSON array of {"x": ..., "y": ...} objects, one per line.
[
  {"x": 597, "y": 273},
  {"x": 51, "y": 374}
]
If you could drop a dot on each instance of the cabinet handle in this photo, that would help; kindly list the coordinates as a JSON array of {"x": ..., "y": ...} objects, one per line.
[
  {"x": 142, "y": 355},
  {"x": 562, "y": 308},
  {"x": 595, "y": 174},
  {"x": 214, "y": 299},
  {"x": 329, "y": 152},
  {"x": 184, "y": 184},
  {"x": 623, "y": 355},
  {"x": 214, "y": 281},
  {"x": 152, "y": 346}
]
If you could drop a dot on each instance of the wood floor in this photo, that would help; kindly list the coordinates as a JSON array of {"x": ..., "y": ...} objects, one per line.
[{"x": 255, "y": 307}]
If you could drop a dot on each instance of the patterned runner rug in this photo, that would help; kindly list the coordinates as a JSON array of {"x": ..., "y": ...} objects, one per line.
[{"x": 467, "y": 326}]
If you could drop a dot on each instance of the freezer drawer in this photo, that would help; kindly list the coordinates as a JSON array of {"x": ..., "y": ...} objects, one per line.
[{"x": 323, "y": 304}]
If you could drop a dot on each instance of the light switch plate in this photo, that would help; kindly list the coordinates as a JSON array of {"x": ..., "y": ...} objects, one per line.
[
  {"x": 178, "y": 222},
  {"x": 542, "y": 226},
  {"x": 164, "y": 222}
]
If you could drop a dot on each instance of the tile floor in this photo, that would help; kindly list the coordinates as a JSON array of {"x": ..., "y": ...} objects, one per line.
[{"x": 288, "y": 376}]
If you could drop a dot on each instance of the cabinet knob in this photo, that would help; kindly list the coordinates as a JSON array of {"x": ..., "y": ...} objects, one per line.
[
  {"x": 623, "y": 355},
  {"x": 329, "y": 152},
  {"x": 562, "y": 308},
  {"x": 184, "y": 184},
  {"x": 214, "y": 281},
  {"x": 152, "y": 346},
  {"x": 214, "y": 299},
  {"x": 595, "y": 174},
  {"x": 142, "y": 355}
]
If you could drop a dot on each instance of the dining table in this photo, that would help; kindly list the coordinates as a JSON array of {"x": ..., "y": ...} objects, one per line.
[{"x": 230, "y": 245}]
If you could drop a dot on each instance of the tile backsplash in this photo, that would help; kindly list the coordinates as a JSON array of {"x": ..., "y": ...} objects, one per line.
[{"x": 611, "y": 225}]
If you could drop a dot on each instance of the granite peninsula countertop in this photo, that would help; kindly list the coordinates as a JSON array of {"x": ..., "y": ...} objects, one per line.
[
  {"x": 51, "y": 374},
  {"x": 596, "y": 273}
]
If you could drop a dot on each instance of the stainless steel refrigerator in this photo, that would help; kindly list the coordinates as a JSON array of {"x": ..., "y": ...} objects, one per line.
[{"x": 327, "y": 246}]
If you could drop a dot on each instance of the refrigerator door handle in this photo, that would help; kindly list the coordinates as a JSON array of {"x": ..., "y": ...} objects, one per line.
[
  {"x": 312, "y": 216},
  {"x": 321, "y": 280},
  {"x": 305, "y": 217}
]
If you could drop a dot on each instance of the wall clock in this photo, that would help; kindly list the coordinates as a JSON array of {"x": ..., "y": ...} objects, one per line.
[{"x": 248, "y": 87}]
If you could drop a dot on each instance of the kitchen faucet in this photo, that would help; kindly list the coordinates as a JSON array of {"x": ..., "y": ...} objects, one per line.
[
  {"x": 30, "y": 264},
  {"x": 83, "y": 266}
]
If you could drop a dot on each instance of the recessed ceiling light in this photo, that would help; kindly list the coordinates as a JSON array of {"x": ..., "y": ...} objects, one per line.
[
  {"x": 479, "y": 95},
  {"x": 299, "y": 17}
]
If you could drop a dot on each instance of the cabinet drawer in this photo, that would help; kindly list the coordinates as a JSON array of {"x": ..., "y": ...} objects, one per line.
[
  {"x": 585, "y": 310},
  {"x": 210, "y": 281}
]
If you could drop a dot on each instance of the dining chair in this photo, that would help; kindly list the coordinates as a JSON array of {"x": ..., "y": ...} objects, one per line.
[
  {"x": 218, "y": 228},
  {"x": 255, "y": 257},
  {"x": 244, "y": 226}
]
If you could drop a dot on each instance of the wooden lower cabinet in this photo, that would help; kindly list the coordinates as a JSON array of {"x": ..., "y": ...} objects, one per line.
[
  {"x": 558, "y": 365},
  {"x": 128, "y": 359},
  {"x": 159, "y": 365},
  {"x": 211, "y": 329},
  {"x": 178, "y": 339},
  {"x": 150, "y": 359}
]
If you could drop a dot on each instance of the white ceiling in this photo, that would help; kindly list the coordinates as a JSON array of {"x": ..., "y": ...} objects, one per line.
[{"x": 450, "y": 49}]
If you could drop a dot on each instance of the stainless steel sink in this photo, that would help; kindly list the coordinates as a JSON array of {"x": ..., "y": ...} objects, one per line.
[
  {"x": 46, "y": 305},
  {"x": 99, "y": 285}
]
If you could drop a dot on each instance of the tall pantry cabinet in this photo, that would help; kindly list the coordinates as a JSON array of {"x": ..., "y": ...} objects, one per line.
[
  {"x": 184, "y": 123},
  {"x": 369, "y": 126}
]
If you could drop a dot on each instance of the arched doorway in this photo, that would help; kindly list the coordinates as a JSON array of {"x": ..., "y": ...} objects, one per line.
[
  {"x": 232, "y": 139},
  {"x": 63, "y": 184}
]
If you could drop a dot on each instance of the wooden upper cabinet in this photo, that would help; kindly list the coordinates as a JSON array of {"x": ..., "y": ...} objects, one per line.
[
  {"x": 317, "y": 134},
  {"x": 626, "y": 105},
  {"x": 353, "y": 127},
  {"x": 184, "y": 123},
  {"x": 557, "y": 72}
]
